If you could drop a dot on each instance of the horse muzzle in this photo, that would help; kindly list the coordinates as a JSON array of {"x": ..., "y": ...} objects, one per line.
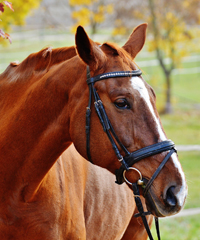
[{"x": 169, "y": 203}]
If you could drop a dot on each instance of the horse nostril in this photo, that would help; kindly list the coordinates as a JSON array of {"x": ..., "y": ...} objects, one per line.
[{"x": 171, "y": 199}]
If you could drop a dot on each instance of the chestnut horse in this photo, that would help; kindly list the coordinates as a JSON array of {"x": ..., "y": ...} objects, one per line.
[
  {"x": 43, "y": 112},
  {"x": 98, "y": 191}
]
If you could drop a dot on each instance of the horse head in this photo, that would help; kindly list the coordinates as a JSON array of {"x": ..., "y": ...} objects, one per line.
[{"x": 129, "y": 108}]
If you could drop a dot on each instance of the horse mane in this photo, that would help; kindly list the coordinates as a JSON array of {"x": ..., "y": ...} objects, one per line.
[
  {"x": 48, "y": 57},
  {"x": 39, "y": 62}
]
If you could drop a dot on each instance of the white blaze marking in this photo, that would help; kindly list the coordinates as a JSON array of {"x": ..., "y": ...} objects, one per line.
[
  {"x": 139, "y": 85},
  {"x": 183, "y": 190}
]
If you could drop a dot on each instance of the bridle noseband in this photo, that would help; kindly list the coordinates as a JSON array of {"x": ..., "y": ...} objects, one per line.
[{"x": 130, "y": 158}]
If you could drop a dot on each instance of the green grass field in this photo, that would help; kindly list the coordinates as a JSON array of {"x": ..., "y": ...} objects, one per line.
[
  {"x": 182, "y": 228},
  {"x": 183, "y": 126},
  {"x": 190, "y": 162}
]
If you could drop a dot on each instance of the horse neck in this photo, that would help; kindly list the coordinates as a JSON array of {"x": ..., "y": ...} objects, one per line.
[
  {"x": 37, "y": 63},
  {"x": 62, "y": 54},
  {"x": 36, "y": 130}
]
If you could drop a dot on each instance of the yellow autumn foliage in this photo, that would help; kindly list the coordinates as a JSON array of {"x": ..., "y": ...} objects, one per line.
[
  {"x": 119, "y": 31},
  {"x": 86, "y": 12},
  {"x": 109, "y": 8},
  {"x": 174, "y": 38},
  {"x": 82, "y": 14},
  {"x": 80, "y": 2},
  {"x": 98, "y": 17},
  {"x": 21, "y": 10}
]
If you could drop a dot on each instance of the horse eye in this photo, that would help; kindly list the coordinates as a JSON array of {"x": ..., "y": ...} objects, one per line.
[{"x": 122, "y": 104}]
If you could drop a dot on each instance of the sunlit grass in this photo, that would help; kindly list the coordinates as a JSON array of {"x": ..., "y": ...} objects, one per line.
[
  {"x": 182, "y": 228},
  {"x": 190, "y": 162},
  {"x": 183, "y": 127}
]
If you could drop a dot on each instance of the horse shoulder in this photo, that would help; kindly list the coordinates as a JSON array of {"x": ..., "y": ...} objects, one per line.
[
  {"x": 74, "y": 175},
  {"x": 108, "y": 207}
]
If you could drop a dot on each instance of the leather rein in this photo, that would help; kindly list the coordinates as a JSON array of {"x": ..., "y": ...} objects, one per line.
[{"x": 130, "y": 158}]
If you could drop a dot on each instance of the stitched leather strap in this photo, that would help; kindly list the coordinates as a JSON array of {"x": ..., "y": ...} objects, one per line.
[
  {"x": 148, "y": 151},
  {"x": 103, "y": 76},
  {"x": 142, "y": 153}
]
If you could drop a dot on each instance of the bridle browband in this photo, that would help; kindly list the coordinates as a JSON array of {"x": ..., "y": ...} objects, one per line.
[{"x": 130, "y": 158}]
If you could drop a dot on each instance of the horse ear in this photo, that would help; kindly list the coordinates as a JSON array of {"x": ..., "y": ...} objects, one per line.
[
  {"x": 136, "y": 40},
  {"x": 87, "y": 50}
]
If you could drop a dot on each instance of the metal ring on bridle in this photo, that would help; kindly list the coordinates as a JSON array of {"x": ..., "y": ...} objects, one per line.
[{"x": 139, "y": 182}]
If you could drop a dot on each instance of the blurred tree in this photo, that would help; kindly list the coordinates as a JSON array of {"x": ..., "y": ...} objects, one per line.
[
  {"x": 89, "y": 12},
  {"x": 172, "y": 37},
  {"x": 125, "y": 17},
  {"x": 9, "y": 5},
  {"x": 170, "y": 32},
  {"x": 22, "y": 8}
]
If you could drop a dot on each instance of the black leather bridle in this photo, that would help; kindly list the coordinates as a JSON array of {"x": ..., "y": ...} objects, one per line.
[{"x": 130, "y": 158}]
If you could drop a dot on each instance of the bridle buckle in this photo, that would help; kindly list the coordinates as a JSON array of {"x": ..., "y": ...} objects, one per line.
[{"x": 139, "y": 182}]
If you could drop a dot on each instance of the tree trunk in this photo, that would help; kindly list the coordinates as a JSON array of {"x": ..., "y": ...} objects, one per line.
[
  {"x": 167, "y": 71},
  {"x": 168, "y": 105},
  {"x": 94, "y": 28}
]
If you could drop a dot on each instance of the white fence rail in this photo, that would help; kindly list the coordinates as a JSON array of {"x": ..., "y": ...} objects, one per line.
[{"x": 186, "y": 148}]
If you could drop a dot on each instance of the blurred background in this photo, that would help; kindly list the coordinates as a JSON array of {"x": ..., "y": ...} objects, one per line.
[{"x": 170, "y": 61}]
